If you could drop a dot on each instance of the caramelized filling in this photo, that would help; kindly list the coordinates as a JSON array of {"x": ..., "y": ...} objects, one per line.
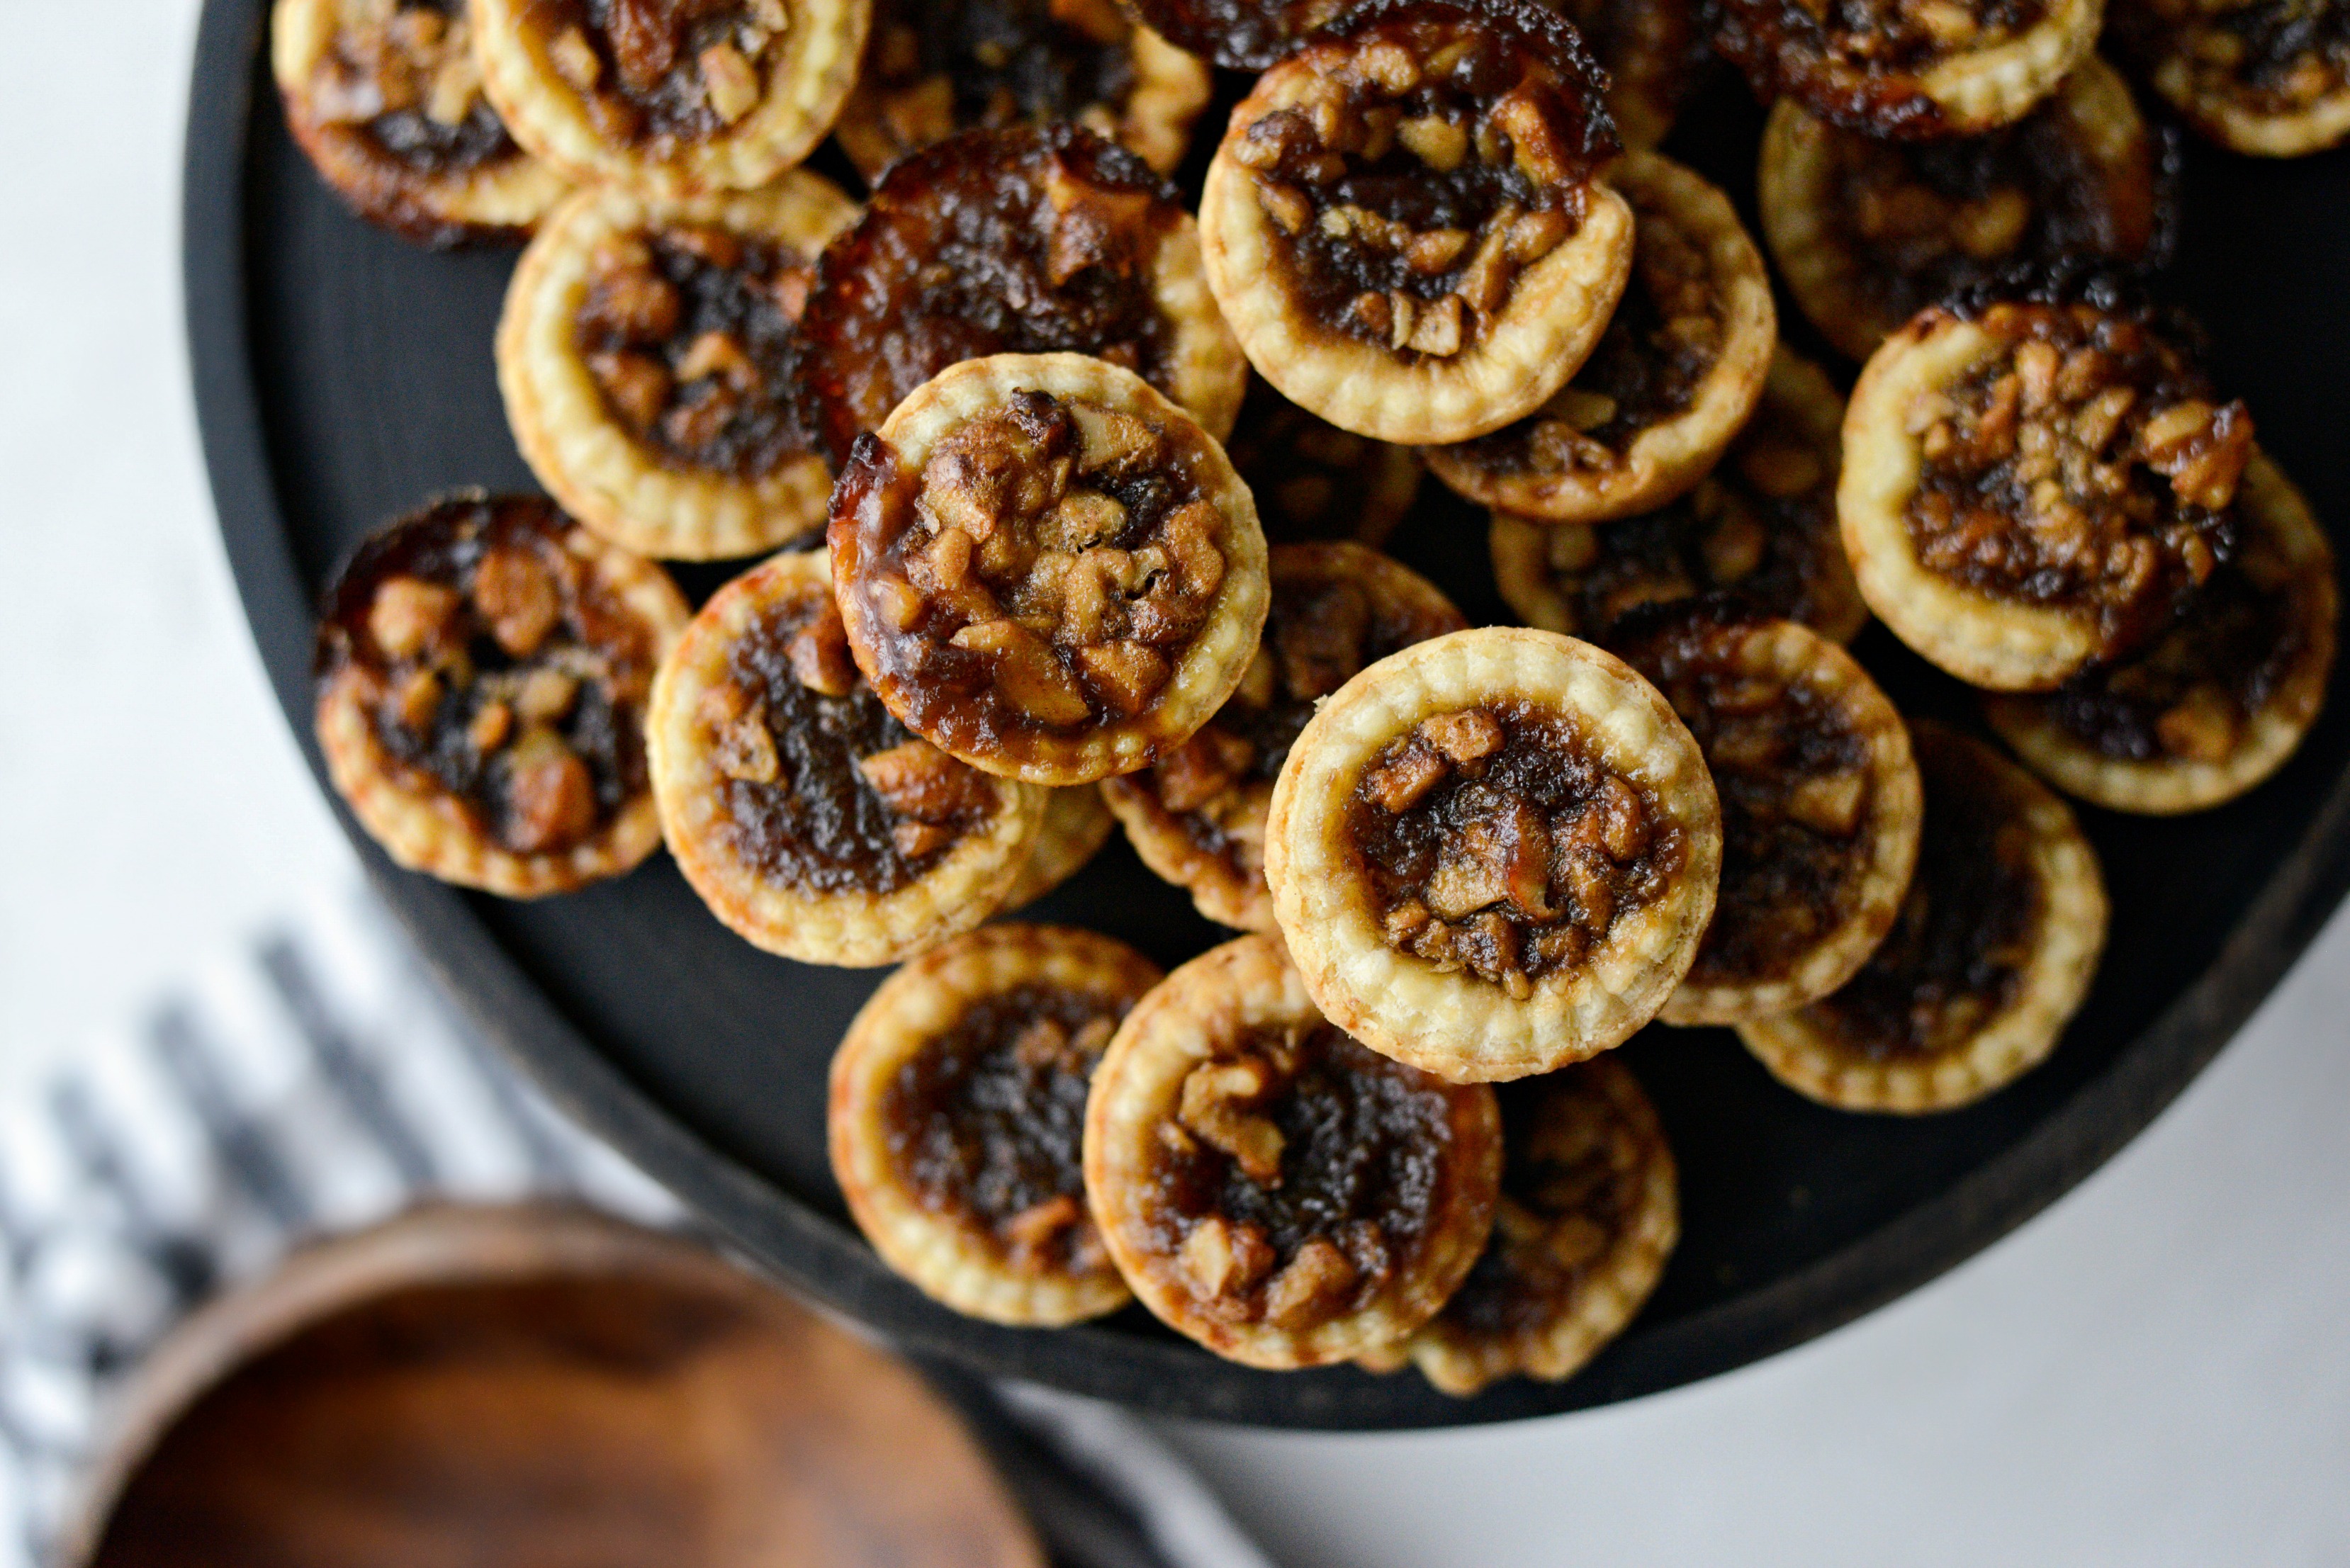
[
  {"x": 1858, "y": 62},
  {"x": 1493, "y": 840},
  {"x": 659, "y": 73},
  {"x": 2275, "y": 56},
  {"x": 937, "y": 66},
  {"x": 404, "y": 75},
  {"x": 1313, "y": 480},
  {"x": 1244, "y": 35}
]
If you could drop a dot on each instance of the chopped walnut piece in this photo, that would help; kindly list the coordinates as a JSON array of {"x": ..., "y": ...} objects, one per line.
[
  {"x": 819, "y": 657},
  {"x": 1027, "y": 673},
  {"x": 1309, "y": 1285},
  {"x": 1398, "y": 784},
  {"x": 408, "y": 614},
  {"x": 1220, "y": 1261},
  {"x": 1032, "y": 1232},
  {"x": 731, "y": 82},
  {"x": 519, "y": 598},
  {"x": 1214, "y": 1106},
  {"x": 417, "y": 700},
  {"x": 1829, "y": 803},
  {"x": 551, "y": 797},
  {"x": 575, "y": 60},
  {"x": 1467, "y": 738},
  {"x": 1126, "y": 674},
  {"x": 637, "y": 386},
  {"x": 493, "y": 723},
  {"x": 917, "y": 780}
]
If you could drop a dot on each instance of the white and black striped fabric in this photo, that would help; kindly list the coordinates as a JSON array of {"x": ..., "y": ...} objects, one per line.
[{"x": 320, "y": 1083}]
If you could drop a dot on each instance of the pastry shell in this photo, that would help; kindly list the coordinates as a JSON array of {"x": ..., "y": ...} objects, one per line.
[
  {"x": 1455, "y": 1025},
  {"x": 949, "y": 1254},
  {"x": 594, "y": 464},
  {"x": 853, "y": 926},
  {"x": 1218, "y": 998},
  {"x": 2177, "y": 54},
  {"x": 1077, "y": 823}
]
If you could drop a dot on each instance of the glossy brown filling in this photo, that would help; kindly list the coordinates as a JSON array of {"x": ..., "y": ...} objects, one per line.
[
  {"x": 1858, "y": 62},
  {"x": 1244, "y": 35},
  {"x": 937, "y": 66},
  {"x": 1311, "y": 479},
  {"x": 689, "y": 333},
  {"x": 1032, "y": 241},
  {"x": 659, "y": 73},
  {"x": 1956, "y": 958},
  {"x": 987, "y": 1122},
  {"x": 497, "y": 670},
  {"x": 1301, "y": 1173},
  {"x": 1493, "y": 840},
  {"x": 410, "y": 85},
  {"x": 824, "y": 790},
  {"x": 2084, "y": 468}
]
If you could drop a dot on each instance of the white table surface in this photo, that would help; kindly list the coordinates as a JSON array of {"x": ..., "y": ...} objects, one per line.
[{"x": 2156, "y": 1371}]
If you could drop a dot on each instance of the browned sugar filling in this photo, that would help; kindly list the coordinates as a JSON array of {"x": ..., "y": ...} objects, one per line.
[
  {"x": 1035, "y": 241},
  {"x": 2085, "y": 467},
  {"x": 936, "y": 66},
  {"x": 1573, "y": 1177},
  {"x": 501, "y": 671},
  {"x": 1312, "y": 480},
  {"x": 1889, "y": 35},
  {"x": 1247, "y": 35},
  {"x": 1494, "y": 840},
  {"x": 689, "y": 333},
  {"x": 824, "y": 790},
  {"x": 986, "y": 1123},
  {"x": 404, "y": 74},
  {"x": 663, "y": 72},
  {"x": 1436, "y": 159},
  {"x": 1301, "y": 1174},
  {"x": 1664, "y": 340},
  {"x": 1955, "y": 959},
  {"x": 1043, "y": 572},
  {"x": 1792, "y": 776},
  {"x": 2280, "y": 56}
]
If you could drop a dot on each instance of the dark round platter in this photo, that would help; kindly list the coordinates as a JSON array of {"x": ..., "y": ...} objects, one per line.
[{"x": 342, "y": 376}]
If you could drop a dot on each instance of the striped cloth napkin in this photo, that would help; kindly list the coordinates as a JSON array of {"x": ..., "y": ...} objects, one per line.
[{"x": 319, "y": 1082}]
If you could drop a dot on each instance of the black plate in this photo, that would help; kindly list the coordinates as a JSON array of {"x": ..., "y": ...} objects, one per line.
[{"x": 342, "y": 376}]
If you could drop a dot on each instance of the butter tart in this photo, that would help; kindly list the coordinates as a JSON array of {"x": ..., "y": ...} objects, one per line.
[
  {"x": 957, "y": 1119},
  {"x": 1761, "y": 526},
  {"x": 1651, "y": 50},
  {"x": 1034, "y": 240},
  {"x": 645, "y": 358},
  {"x": 1313, "y": 481},
  {"x": 1238, "y": 34},
  {"x": 1198, "y": 817},
  {"x": 1270, "y": 1188},
  {"x": 810, "y": 822},
  {"x": 1046, "y": 568},
  {"x": 936, "y": 66},
  {"x": 1675, "y": 375},
  {"x": 483, "y": 671},
  {"x": 1493, "y": 853},
  {"x": 2270, "y": 77},
  {"x": 1589, "y": 1212},
  {"x": 670, "y": 97},
  {"x": 1819, "y": 798},
  {"x": 386, "y": 99},
  {"x": 1405, "y": 224},
  {"x": 1077, "y": 823},
  {"x": 1996, "y": 945},
  {"x": 1868, "y": 232},
  {"x": 2220, "y": 699},
  {"x": 2032, "y": 485},
  {"x": 1912, "y": 70}
]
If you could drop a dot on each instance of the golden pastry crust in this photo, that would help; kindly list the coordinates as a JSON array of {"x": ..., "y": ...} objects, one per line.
[
  {"x": 667, "y": 433},
  {"x": 1868, "y": 233},
  {"x": 2217, "y": 703},
  {"x": 1674, "y": 378},
  {"x": 1589, "y": 1213},
  {"x": 956, "y": 1119},
  {"x": 1313, "y": 481},
  {"x": 1820, "y": 805},
  {"x": 1760, "y": 527},
  {"x": 682, "y": 100},
  {"x": 807, "y": 820},
  {"x": 1493, "y": 853},
  {"x": 389, "y": 109},
  {"x": 523, "y": 781},
  {"x": 2267, "y": 78},
  {"x": 1034, "y": 61},
  {"x": 1198, "y": 819},
  {"x": 1047, "y": 568},
  {"x": 1993, "y": 955},
  {"x": 1407, "y": 335},
  {"x": 1236, "y": 1216},
  {"x": 1910, "y": 71},
  {"x": 2033, "y": 486},
  {"x": 1077, "y": 823}
]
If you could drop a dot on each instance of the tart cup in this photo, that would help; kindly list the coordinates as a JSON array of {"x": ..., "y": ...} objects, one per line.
[
  {"x": 1410, "y": 853},
  {"x": 1674, "y": 378},
  {"x": 1233, "y": 1215},
  {"x": 1522, "y": 300},
  {"x": 1077, "y": 823},
  {"x": 810, "y": 822},
  {"x": 993, "y": 493},
  {"x": 1313, "y": 480},
  {"x": 1819, "y": 806},
  {"x": 734, "y": 122},
  {"x": 956, "y": 1119},
  {"x": 1589, "y": 1212},
  {"x": 523, "y": 781},
  {"x": 1994, "y": 953},
  {"x": 1198, "y": 818},
  {"x": 490, "y": 190},
  {"x": 2221, "y": 699},
  {"x": 2270, "y": 78},
  {"x": 627, "y": 481}
]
